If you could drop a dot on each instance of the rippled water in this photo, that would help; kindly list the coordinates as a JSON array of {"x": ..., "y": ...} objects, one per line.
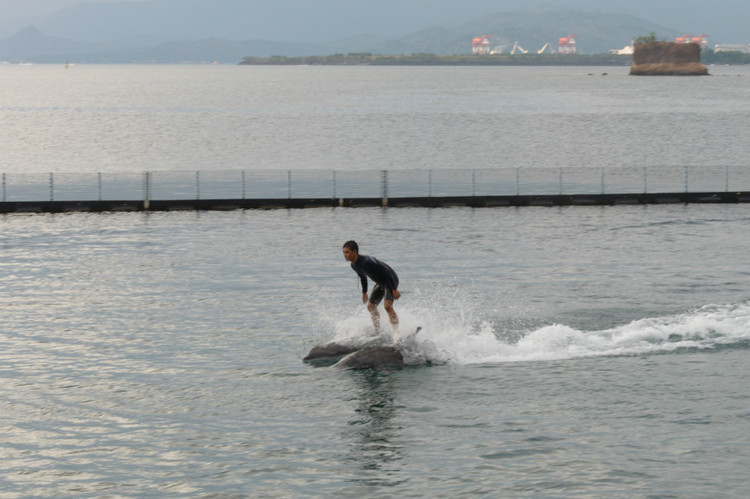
[
  {"x": 135, "y": 118},
  {"x": 581, "y": 351},
  {"x": 574, "y": 352}
]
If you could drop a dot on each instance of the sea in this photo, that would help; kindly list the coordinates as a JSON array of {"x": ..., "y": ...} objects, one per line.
[{"x": 564, "y": 351}]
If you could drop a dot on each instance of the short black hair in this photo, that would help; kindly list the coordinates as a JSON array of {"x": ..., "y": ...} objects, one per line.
[{"x": 352, "y": 245}]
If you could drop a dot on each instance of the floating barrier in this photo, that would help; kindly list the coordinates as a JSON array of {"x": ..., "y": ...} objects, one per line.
[
  {"x": 406, "y": 202},
  {"x": 257, "y": 189}
]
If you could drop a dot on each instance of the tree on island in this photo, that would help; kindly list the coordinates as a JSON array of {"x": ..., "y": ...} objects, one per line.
[{"x": 645, "y": 39}]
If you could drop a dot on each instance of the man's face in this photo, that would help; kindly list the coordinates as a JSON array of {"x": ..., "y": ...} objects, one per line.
[{"x": 350, "y": 255}]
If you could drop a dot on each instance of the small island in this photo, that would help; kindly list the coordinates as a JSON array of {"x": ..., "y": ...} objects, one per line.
[{"x": 667, "y": 59}]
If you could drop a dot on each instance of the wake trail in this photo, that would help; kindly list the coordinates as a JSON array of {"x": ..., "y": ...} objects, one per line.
[{"x": 461, "y": 339}]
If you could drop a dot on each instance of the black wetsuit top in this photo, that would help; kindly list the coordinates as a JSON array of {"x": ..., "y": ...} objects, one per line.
[{"x": 381, "y": 273}]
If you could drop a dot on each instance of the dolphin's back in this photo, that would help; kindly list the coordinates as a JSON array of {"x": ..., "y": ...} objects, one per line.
[
  {"x": 329, "y": 351},
  {"x": 372, "y": 357}
]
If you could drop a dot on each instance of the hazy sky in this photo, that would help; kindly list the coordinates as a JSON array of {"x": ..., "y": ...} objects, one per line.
[
  {"x": 693, "y": 16},
  {"x": 28, "y": 8}
]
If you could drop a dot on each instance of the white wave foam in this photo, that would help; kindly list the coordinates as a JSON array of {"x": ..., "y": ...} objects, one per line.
[
  {"x": 463, "y": 339},
  {"x": 705, "y": 328}
]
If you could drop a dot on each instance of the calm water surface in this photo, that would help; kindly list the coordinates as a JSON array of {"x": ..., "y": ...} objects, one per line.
[
  {"x": 136, "y": 118},
  {"x": 575, "y": 352}
]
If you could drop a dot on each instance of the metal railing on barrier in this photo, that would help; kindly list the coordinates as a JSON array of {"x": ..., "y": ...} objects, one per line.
[{"x": 354, "y": 184}]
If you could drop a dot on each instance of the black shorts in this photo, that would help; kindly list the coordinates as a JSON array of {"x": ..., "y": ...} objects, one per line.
[{"x": 378, "y": 292}]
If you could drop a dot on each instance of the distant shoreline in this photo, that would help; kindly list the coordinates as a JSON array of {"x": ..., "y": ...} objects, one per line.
[
  {"x": 367, "y": 59},
  {"x": 442, "y": 60}
]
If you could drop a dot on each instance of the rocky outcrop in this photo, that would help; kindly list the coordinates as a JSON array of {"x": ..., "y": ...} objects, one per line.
[{"x": 667, "y": 58}]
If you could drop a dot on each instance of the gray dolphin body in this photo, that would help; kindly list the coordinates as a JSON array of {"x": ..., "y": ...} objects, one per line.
[
  {"x": 329, "y": 351},
  {"x": 373, "y": 354},
  {"x": 372, "y": 357}
]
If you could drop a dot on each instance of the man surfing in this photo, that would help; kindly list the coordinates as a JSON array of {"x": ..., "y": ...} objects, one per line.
[{"x": 386, "y": 284}]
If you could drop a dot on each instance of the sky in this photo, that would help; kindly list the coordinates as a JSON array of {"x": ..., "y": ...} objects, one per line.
[
  {"x": 15, "y": 9},
  {"x": 693, "y": 16}
]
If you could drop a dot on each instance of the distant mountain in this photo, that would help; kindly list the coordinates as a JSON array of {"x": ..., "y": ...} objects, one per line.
[
  {"x": 30, "y": 44},
  {"x": 214, "y": 50},
  {"x": 294, "y": 21},
  {"x": 595, "y": 32},
  {"x": 149, "y": 22}
]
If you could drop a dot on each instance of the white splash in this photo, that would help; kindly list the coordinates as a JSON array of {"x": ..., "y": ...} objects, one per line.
[
  {"x": 456, "y": 337},
  {"x": 706, "y": 328}
]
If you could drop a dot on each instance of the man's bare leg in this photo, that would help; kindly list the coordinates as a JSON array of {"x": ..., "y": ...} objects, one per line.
[
  {"x": 394, "y": 318},
  {"x": 375, "y": 316}
]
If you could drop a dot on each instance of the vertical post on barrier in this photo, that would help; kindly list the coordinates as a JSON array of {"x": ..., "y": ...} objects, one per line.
[
  {"x": 51, "y": 187},
  {"x": 197, "y": 185},
  {"x": 99, "y": 184},
  {"x": 289, "y": 184},
  {"x": 726, "y": 181},
  {"x": 243, "y": 184},
  {"x": 146, "y": 190},
  {"x": 385, "y": 187},
  {"x": 518, "y": 181},
  {"x": 333, "y": 185}
]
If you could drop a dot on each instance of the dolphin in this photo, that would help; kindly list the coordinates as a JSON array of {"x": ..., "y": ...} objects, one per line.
[
  {"x": 372, "y": 357},
  {"x": 329, "y": 351},
  {"x": 373, "y": 353},
  {"x": 377, "y": 355}
]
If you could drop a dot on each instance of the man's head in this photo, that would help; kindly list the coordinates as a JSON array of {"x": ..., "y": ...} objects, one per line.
[{"x": 351, "y": 251}]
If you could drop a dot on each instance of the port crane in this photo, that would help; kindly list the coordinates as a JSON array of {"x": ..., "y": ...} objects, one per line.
[{"x": 517, "y": 48}]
